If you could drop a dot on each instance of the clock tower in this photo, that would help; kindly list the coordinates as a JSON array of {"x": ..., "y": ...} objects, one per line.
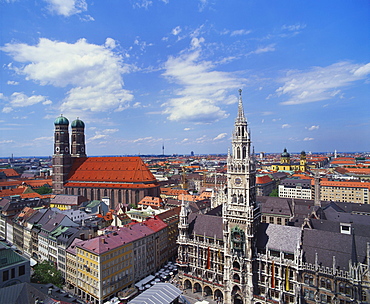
[
  {"x": 62, "y": 159},
  {"x": 241, "y": 214}
]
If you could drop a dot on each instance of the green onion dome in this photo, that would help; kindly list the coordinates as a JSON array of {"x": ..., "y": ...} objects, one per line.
[
  {"x": 77, "y": 124},
  {"x": 61, "y": 120},
  {"x": 285, "y": 153}
]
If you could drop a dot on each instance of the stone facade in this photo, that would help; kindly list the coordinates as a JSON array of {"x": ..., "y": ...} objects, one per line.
[{"x": 232, "y": 257}]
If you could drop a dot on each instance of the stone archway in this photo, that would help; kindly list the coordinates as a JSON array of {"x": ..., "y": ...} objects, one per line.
[
  {"x": 236, "y": 295},
  {"x": 207, "y": 291},
  {"x": 219, "y": 296},
  {"x": 197, "y": 287},
  {"x": 187, "y": 284},
  {"x": 236, "y": 265}
]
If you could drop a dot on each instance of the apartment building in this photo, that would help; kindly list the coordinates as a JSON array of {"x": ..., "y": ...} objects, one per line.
[
  {"x": 13, "y": 267},
  {"x": 345, "y": 191},
  {"x": 295, "y": 188}
]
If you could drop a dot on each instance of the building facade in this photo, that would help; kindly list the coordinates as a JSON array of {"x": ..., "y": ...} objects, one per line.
[
  {"x": 345, "y": 191},
  {"x": 295, "y": 188},
  {"x": 118, "y": 179},
  {"x": 235, "y": 258}
]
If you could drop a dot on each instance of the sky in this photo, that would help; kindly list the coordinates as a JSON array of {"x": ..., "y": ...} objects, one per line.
[{"x": 143, "y": 74}]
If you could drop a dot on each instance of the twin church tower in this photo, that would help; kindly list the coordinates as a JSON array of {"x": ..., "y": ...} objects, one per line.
[{"x": 64, "y": 152}]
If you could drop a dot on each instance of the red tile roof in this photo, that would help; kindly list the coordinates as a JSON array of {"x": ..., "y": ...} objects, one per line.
[
  {"x": 171, "y": 191},
  {"x": 155, "y": 224},
  {"x": 349, "y": 184},
  {"x": 119, "y": 237},
  {"x": 10, "y": 172},
  {"x": 110, "y": 172},
  {"x": 264, "y": 179}
]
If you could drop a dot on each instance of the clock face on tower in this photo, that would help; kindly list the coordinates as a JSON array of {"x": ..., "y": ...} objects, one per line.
[
  {"x": 238, "y": 181},
  {"x": 57, "y": 149}
]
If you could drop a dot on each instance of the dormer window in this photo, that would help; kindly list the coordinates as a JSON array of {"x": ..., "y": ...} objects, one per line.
[{"x": 345, "y": 228}]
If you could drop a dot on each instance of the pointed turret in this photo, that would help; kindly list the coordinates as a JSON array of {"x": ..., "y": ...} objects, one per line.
[{"x": 240, "y": 117}]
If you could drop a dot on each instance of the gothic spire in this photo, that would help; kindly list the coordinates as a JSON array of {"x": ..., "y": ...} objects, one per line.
[{"x": 241, "y": 117}]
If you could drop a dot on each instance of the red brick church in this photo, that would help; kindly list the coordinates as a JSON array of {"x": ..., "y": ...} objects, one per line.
[{"x": 120, "y": 179}]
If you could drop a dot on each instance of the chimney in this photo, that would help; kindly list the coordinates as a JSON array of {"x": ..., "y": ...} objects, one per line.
[{"x": 103, "y": 240}]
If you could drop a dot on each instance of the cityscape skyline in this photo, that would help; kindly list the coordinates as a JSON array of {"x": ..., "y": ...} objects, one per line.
[{"x": 143, "y": 74}]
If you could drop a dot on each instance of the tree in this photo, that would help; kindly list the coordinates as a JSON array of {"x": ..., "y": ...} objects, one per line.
[
  {"x": 274, "y": 193},
  {"x": 45, "y": 273},
  {"x": 43, "y": 190}
]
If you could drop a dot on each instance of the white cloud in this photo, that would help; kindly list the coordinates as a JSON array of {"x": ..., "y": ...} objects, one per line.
[
  {"x": 7, "y": 110},
  {"x": 46, "y": 139},
  {"x": 146, "y": 140},
  {"x": 185, "y": 140},
  {"x": 320, "y": 83},
  {"x": 267, "y": 113},
  {"x": 67, "y": 8},
  {"x": 203, "y": 89},
  {"x": 293, "y": 27},
  {"x": 11, "y": 82},
  {"x": 201, "y": 139},
  {"x": 220, "y": 136},
  {"x": 285, "y": 126},
  {"x": 93, "y": 72},
  {"x": 142, "y": 4},
  {"x": 362, "y": 71},
  {"x": 176, "y": 30},
  {"x": 110, "y": 131},
  {"x": 265, "y": 49},
  {"x": 6, "y": 141},
  {"x": 313, "y": 128},
  {"x": 240, "y": 32},
  {"x": 308, "y": 138},
  {"x": 202, "y": 5},
  {"x": 19, "y": 100},
  {"x": 187, "y": 129},
  {"x": 196, "y": 42},
  {"x": 102, "y": 134},
  {"x": 98, "y": 136}
]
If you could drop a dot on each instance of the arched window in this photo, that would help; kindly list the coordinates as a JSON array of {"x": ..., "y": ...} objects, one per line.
[
  {"x": 238, "y": 153},
  {"x": 236, "y": 278},
  {"x": 348, "y": 290},
  {"x": 137, "y": 197},
  {"x": 244, "y": 152},
  {"x": 92, "y": 194},
  {"x": 328, "y": 284},
  {"x": 322, "y": 283},
  {"x": 127, "y": 197},
  {"x": 105, "y": 192},
  {"x": 236, "y": 265}
]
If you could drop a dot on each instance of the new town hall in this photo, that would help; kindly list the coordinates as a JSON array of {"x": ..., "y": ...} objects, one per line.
[{"x": 230, "y": 256}]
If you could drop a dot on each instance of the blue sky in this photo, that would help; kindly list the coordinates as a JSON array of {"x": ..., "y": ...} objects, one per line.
[{"x": 142, "y": 74}]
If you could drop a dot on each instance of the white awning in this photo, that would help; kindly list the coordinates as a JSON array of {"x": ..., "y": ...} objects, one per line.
[{"x": 145, "y": 281}]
